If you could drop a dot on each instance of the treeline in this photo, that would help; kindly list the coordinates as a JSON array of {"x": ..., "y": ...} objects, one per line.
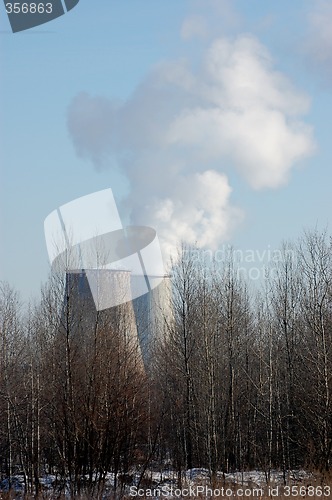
[{"x": 239, "y": 379}]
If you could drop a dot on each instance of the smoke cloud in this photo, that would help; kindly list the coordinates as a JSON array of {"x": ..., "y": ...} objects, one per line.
[{"x": 183, "y": 130}]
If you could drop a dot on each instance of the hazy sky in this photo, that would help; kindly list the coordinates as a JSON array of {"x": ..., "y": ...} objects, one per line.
[{"x": 209, "y": 119}]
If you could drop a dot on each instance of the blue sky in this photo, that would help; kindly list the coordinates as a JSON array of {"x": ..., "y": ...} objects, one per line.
[{"x": 214, "y": 119}]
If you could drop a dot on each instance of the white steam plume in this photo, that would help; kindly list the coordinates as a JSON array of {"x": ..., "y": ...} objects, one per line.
[{"x": 182, "y": 129}]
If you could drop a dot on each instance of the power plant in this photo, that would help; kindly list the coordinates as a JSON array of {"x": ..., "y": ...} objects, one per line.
[
  {"x": 114, "y": 274},
  {"x": 144, "y": 320},
  {"x": 153, "y": 315}
]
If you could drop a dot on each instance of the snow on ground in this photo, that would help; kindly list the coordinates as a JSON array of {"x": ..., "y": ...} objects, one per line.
[{"x": 169, "y": 478}]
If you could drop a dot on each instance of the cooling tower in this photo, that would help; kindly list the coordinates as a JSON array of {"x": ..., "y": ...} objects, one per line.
[
  {"x": 79, "y": 306},
  {"x": 153, "y": 312},
  {"x": 144, "y": 321}
]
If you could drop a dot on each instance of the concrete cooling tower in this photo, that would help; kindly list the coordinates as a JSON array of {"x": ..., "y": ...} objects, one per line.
[
  {"x": 144, "y": 320},
  {"x": 153, "y": 312},
  {"x": 80, "y": 310}
]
